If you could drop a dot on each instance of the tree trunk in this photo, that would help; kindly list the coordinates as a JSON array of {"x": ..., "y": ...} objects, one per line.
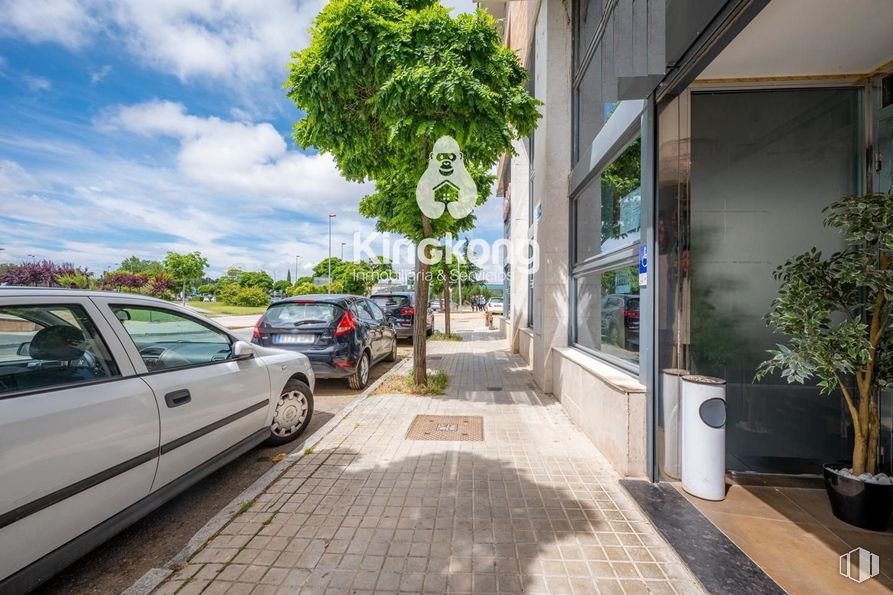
[
  {"x": 420, "y": 326},
  {"x": 184, "y": 293},
  {"x": 446, "y": 295},
  {"x": 873, "y": 436}
]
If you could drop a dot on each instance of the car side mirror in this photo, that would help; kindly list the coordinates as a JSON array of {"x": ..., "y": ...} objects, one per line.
[
  {"x": 24, "y": 349},
  {"x": 242, "y": 350},
  {"x": 122, "y": 315}
]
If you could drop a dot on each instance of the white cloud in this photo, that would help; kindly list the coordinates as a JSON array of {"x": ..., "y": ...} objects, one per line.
[
  {"x": 37, "y": 83},
  {"x": 13, "y": 178},
  {"x": 225, "y": 39},
  {"x": 66, "y": 22},
  {"x": 239, "y": 157},
  {"x": 98, "y": 74}
]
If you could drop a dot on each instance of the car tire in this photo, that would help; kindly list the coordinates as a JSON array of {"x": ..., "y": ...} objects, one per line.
[
  {"x": 293, "y": 413},
  {"x": 360, "y": 378},
  {"x": 429, "y": 332},
  {"x": 392, "y": 356}
]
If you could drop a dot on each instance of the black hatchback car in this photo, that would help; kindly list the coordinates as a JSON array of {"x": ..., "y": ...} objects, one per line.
[
  {"x": 399, "y": 306},
  {"x": 343, "y": 336}
]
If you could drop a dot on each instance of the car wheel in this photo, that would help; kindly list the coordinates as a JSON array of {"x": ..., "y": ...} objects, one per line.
[
  {"x": 392, "y": 357},
  {"x": 293, "y": 413},
  {"x": 360, "y": 378}
]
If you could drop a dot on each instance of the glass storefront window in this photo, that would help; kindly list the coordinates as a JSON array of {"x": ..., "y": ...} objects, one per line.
[
  {"x": 612, "y": 204},
  {"x": 607, "y": 312}
]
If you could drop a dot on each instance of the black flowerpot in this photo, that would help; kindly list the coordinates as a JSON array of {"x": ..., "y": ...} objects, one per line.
[{"x": 865, "y": 505}]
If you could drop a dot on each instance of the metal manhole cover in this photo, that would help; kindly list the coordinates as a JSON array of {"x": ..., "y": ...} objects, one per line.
[
  {"x": 466, "y": 428},
  {"x": 494, "y": 388}
]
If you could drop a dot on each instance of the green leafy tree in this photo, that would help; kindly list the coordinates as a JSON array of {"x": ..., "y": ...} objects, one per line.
[
  {"x": 256, "y": 279},
  {"x": 837, "y": 313},
  {"x": 185, "y": 268},
  {"x": 134, "y": 264},
  {"x": 381, "y": 81},
  {"x": 288, "y": 278},
  {"x": 281, "y": 285}
]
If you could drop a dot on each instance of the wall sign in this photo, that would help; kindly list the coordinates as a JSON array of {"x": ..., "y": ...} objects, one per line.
[{"x": 643, "y": 265}]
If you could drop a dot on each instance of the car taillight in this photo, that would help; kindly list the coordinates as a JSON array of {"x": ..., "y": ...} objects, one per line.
[
  {"x": 630, "y": 313},
  {"x": 407, "y": 312},
  {"x": 256, "y": 333},
  {"x": 345, "y": 325}
]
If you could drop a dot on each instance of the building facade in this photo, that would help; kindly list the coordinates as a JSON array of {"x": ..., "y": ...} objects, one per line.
[{"x": 686, "y": 149}]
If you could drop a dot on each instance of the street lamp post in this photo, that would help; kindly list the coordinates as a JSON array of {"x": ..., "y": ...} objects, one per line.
[
  {"x": 296, "y": 267},
  {"x": 343, "y": 244},
  {"x": 331, "y": 216}
]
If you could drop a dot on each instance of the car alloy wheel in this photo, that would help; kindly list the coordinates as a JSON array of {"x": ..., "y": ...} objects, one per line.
[
  {"x": 361, "y": 376},
  {"x": 291, "y": 411}
]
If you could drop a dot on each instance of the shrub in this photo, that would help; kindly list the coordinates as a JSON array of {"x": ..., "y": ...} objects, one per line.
[
  {"x": 233, "y": 295},
  {"x": 39, "y": 273}
]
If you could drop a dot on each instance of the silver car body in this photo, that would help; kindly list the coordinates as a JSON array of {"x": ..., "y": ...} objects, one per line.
[{"x": 80, "y": 462}]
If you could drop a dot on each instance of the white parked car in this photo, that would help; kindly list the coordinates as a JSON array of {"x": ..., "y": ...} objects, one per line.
[
  {"x": 494, "y": 306},
  {"x": 111, "y": 404}
]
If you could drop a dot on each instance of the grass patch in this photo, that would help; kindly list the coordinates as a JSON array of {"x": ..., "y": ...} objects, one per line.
[
  {"x": 223, "y": 309},
  {"x": 308, "y": 450},
  {"x": 436, "y": 385},
  {"x": 439, "y": 336},
  {"x": 245, "y": 506}
]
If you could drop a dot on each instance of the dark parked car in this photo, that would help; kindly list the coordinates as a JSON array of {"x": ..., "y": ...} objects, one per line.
[
  {"x": 400, "y": 307},
  {"x": 343, "y": 336},
  {"x": 620, "y": 320}
]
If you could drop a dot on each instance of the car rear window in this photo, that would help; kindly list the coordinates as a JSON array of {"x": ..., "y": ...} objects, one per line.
[
  {"x": 386, "y": 302},
  {"x": 290, "y": 313}
]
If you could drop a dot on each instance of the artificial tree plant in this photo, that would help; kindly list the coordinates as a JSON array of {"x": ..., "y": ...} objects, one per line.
[{"x": 838, "y": 313}]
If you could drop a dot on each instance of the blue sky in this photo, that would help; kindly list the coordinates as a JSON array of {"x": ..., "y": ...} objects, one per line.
[{"x": 134, "y": 127}]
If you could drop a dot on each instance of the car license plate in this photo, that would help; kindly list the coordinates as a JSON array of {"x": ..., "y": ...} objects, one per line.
[{"x": 293, "y": 339}]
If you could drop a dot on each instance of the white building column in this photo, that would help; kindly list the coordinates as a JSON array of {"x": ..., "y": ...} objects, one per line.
[{"x": 552, "y": 154}]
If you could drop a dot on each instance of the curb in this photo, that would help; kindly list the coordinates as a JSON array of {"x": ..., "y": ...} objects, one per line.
[{"x": 155, "y": 576}]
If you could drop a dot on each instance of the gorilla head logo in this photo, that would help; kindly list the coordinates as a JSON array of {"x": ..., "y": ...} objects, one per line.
[{"x": 446, "y": 169}]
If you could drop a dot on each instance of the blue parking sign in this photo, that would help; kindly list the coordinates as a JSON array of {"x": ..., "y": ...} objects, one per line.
[{"x": 643, "y": 265}]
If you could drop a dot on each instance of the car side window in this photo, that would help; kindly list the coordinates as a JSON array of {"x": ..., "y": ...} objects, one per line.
[
  {"x": 168, "y": 340},
  {"x": 359, "y": 308},
  {"x": 45, "y": 346},
  {"x": 377, "y": 312}
]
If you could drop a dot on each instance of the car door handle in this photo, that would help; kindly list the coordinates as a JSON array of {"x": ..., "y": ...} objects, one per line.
[{"x": 177, "y": 398}]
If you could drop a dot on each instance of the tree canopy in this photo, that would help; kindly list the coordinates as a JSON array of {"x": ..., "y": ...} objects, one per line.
[{"x": 382, "y": 80}]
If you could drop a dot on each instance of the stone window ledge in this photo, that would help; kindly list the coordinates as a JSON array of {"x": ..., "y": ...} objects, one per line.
[{"x": 617, "y": 379}]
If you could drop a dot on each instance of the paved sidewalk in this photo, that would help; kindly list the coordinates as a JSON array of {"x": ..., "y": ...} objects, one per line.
[{"x": 533, "y": 508}]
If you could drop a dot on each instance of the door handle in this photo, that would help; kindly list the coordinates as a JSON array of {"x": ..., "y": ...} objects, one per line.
[{"x": 177, "y": 398}]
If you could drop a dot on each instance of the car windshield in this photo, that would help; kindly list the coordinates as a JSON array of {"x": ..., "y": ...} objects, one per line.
[
  {"x": 307, "y": 312},
  {"x": 391, "y": 301}
]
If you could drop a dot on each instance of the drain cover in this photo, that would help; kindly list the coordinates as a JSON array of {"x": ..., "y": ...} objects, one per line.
[
  {"x": 467, "y": 428},
  {"x": 494, "y": 388}
]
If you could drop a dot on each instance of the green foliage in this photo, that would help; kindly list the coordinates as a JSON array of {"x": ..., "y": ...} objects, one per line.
[
  {"x": 439, "y": 336},
  {"x": 76, "y": 280},
  {"x": 382, "y": 80},
  {"x": 309, "y": 288},
  {"x": 184, "y": 268},
  {"x": 256, "y": 279},
  {"x": 355, "y": 277},
  {"x": 236, "y": 295},
  {"x": 281, "y": 285},
  {"x": 134, "y": 264},
  {"x": 207, "y": 288},
  {"x": 837, "y": 313}
]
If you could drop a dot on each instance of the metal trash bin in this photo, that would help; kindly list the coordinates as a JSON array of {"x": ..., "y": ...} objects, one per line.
[
  {"x": 704, "y": 436},
  {"x": 671, "y": 404}
]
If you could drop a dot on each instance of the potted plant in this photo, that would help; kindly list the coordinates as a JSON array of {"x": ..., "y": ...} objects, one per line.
[{"x": 838, "y": 314}]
